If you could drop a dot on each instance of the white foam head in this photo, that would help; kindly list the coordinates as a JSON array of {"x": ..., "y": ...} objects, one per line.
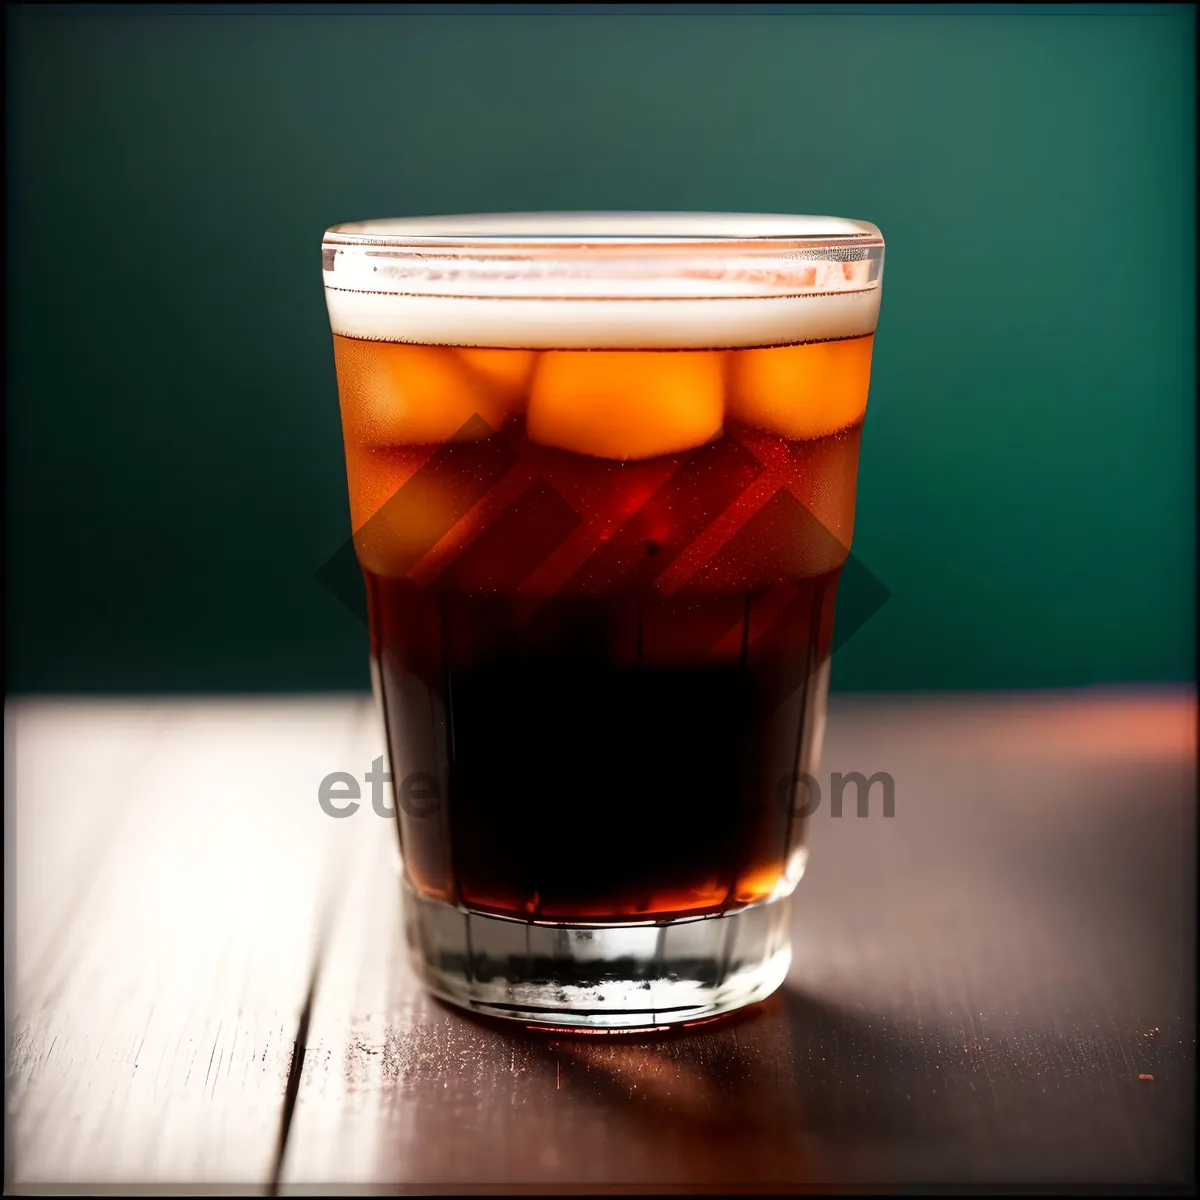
[{"x": 604, "y": 280}]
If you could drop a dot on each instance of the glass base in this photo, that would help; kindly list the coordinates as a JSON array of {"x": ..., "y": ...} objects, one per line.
[{"x": 599, "y": 977}]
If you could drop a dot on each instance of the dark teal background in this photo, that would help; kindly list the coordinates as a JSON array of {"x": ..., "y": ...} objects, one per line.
[{"x": 174, "y": 462}]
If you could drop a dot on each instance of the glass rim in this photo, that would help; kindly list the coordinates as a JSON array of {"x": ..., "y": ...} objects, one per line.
[
  {"x": 603, "y": 280},
  {"x": 640, "y": 232}
]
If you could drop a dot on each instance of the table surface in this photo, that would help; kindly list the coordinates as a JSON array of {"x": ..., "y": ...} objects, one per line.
[{"x": 206, "y": 983}]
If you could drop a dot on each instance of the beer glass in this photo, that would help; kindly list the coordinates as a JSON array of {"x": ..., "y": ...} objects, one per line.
[{"x": 601, "y": 471}]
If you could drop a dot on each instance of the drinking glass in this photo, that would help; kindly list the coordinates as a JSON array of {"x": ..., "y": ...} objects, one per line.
[{"x": 602, "y": 471}]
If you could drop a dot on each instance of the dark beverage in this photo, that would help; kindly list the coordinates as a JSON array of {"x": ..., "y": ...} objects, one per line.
[
  {"x": 586, "y": 782},
  {"x": 601, "y": 586}
]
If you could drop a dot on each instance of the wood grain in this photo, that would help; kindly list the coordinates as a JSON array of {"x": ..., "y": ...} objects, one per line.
[
  {"x": 152, "y": 1030},
  {"x": 980, "y": 982}
]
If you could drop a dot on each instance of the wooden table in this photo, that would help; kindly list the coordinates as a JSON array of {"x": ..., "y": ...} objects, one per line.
[{"x": 207, "y": 989}]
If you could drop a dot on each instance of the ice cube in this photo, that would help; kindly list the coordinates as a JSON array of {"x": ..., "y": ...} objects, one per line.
[
  {"x": 626, "y": 404},
  {"x": 801, "y": 391},
  {"x": 394, "y": 394}
]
